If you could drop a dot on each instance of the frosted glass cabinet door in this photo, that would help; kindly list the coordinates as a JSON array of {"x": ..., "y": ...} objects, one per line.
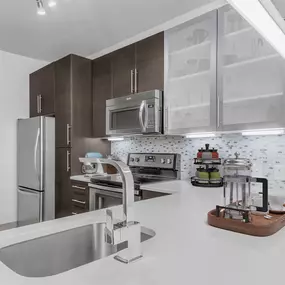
[
  {"x": 190, "y": 85},
  {"x": 250, "y": 77}
]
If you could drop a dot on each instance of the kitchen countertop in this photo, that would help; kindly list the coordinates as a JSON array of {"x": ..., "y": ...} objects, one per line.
[
  {"x": 185, "y": 249},
  {"x": 154, "y": 187}
]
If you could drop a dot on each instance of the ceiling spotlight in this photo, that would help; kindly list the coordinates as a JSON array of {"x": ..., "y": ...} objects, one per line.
[
  {"x": 41, "y": 9},
  {"x": 51, "y": 3}
]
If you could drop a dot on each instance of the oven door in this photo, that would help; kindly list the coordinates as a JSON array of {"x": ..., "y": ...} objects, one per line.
[
  {"x": 135, "y": 114},
  {"x": 102, "y": 199}
]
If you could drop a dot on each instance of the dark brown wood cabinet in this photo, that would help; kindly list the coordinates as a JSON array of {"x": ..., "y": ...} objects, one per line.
[
  {"x": 42, "y": 91},
  {"x": 123, "y": 67},
  {"x": 73, "y": 114},
  {"x": 102, "y": 91},
  {"x": 62, "y": 182},
  {"x": 80, "y": 197},
  {"x": 151, "y": 194},
  {"x": 150, "y": 63}
]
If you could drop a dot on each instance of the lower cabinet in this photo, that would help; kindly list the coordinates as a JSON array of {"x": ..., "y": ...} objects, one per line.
[
  {"x": 151, "y": 194},
  {"x": 79, "y": 197},
  {"x": 62, "y": 182}
]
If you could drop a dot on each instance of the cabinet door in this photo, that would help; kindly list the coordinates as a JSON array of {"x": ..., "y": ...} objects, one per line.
[
  {"x": 150, "y": 63},
  {"x": 63, "y": 195},
  {"x": 123, "y": 67},
  {"x": 63, "y": 102},
  {"x": 190, "y": 94},
  {"x": 34, "y": 94},
  {"x": 250, "y": 77},
  {"x": 42, "y": 91},
  {"x": 102, "y": 91},
  {"x": 47, "y": 89}
]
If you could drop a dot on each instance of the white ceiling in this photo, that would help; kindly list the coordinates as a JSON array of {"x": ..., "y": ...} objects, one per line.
[{"x": 82, "y": 27}]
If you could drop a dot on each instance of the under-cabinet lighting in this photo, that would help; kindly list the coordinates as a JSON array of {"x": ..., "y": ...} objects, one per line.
[
  {"x": 51, "y": 3},
  {"x": 255, "y": 12},
  {"x": 268, "y": 132},
  {"x": 200, "y": 135},
  {"x": 115, "y": 139}
]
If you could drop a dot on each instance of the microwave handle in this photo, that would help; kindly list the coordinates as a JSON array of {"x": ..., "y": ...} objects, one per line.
[{"x": 142, "y": 108}]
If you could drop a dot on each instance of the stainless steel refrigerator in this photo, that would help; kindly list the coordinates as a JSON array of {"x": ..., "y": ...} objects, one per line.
[{"x": 36, "y": 170}]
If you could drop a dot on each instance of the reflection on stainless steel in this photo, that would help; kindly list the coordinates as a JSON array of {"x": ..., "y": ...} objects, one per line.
[
  {"x": 127, "y": 230},
  {"x": 60, "y": 252}
]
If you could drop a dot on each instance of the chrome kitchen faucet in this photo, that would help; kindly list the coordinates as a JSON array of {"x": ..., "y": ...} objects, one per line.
[{"x": 126, "y": 230}]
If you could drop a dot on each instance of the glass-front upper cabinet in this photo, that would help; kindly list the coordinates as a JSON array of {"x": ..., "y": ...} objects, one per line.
[
  {"x": 190, "y": 79},
  {"x": 250, "y": 74}
]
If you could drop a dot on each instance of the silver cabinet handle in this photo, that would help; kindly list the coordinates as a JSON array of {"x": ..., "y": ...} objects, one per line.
[
  {"x": 166, "y": 119},
  {"x": 132, "y": 81},
  {"x": 136, "y": 81},
  {"x": 68, "y": 127},
  {"x": 79, "y": 202},
  {"x": 73, "y": 213},
  {"x": 67, "y": 161},
  {"x": 38, "y": 108},
  {"x": 40, "y": 103},
  {"x": 78, "y": 187},
  {"x": 142, "y": 108}
]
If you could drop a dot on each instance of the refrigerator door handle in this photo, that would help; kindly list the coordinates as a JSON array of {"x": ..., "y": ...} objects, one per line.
[{"x": 35, "y": 154}]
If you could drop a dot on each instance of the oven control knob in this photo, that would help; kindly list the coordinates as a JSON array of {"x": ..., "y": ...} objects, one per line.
[
  {"x": 169, "y": 160},
  {"x": 132, "y": 159},
  {"x": 137, "y": 159},
  {"x": 162, "y": 160}
]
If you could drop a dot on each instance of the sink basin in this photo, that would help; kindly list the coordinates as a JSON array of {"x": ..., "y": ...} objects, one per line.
[{"x": 60, "y": 252}]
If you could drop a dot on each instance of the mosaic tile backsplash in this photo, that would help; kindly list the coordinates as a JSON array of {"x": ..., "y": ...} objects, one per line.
[{"x": 266, "y": 152}]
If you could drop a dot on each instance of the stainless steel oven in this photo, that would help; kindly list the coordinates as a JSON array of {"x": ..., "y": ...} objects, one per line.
[
  {"x": 102, "y": 197},
  {"x": 135, "y": 114}
]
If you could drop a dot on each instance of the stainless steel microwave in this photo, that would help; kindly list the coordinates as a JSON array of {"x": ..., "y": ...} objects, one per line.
[{"x": 139, "y": 113}]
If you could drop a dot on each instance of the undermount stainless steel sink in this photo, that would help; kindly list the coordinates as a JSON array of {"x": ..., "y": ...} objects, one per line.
[{"x": 60, "y": 252}]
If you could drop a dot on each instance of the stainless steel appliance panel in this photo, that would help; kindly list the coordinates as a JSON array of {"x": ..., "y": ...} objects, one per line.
[
  {"x": 135, "y": 114},
  {"x": 49, "y": 169},
  {"x": 29, "y": 207},
  {"x": 101, "y": 198},
  {"x": 30, "y": 153}
]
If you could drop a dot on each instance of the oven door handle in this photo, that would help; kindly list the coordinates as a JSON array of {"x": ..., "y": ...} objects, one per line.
[
  {"x": 108, "y": 193},
  {"x": 142, "y": 108}
]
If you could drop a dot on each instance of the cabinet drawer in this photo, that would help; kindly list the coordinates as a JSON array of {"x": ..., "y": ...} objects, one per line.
[
  {"x": 79, "y": 204},
  {"x": 77, "y": 210},
  {"x": 79, "y": 188}
]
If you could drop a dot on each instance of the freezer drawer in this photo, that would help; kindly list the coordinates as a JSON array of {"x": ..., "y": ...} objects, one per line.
[{"x": 30, "y": 207}]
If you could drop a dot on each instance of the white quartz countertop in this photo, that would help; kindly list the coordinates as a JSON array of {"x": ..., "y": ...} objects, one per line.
[{"x": 185, "y": 249}]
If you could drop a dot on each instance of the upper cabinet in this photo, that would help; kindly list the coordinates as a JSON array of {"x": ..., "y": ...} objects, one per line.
[
  {"x": 250, "y": 77},
  {"x": 123, "y": 69},
  {"x": 102, "y": 91},
  {"x": 130, "y": 70},
  {"x": 149, "y": 69},
  {"x": 42, "y": 91},
  {"x": 190, "y": 92},
  {"x": 222, "y": 75},
  {"x": 73, "y": 101}
]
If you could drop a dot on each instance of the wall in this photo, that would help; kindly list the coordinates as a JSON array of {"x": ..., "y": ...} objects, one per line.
[
  {"x": 14, "y": 104},
  {"x": 266, "y": 152}
]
